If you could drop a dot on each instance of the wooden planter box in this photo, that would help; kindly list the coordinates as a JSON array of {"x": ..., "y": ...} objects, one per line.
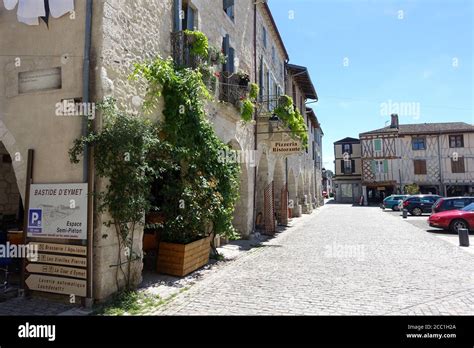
[{"x": 182, "y": 259}]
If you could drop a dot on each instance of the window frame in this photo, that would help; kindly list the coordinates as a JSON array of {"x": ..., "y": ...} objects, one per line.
[
  {"x": 229, "y": 10},
  {"x": 421, "y": 170},
  {"x": 456, "y": 137},
  {"x": 416, "y": 141}
]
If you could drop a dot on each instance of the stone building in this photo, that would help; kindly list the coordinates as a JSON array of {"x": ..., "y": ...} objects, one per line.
[
  {"x": 438, "y": 157},
  {"x": 347, "y": 165},
  {"x": 88, "y": 54}
]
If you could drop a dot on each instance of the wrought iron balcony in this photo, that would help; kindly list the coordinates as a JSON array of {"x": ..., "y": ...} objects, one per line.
[
  {"x": 233, "y": 87},
  {"x": 181, "y": 45}
]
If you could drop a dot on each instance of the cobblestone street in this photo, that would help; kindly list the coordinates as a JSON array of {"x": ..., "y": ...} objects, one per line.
[{"x": 341, "y": 260}]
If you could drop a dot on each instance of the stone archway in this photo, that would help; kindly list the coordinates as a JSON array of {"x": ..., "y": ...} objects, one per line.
[
  {"x": 10, "y": 198},
  {"x": 243, "y": 208},
  {"x": 279, "y": 180},
  {"x": 262, "y": 183}
]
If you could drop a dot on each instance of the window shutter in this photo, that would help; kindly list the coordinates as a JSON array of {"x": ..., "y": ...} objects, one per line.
[
  {"x": 226, "y": 46},
  {"x": 385, "y": 166},
  {"x": 230, "y": 62},
  {"x": 342, "y": 166},
  {"x": 353, "y": 166},
  {"x": 190, "y": 18},
  {"x": 373, "y": 166},
  {"x": 350, "y": 149},
  {"x": 260, "y": 77},
  {"x": 178, "y": 6}
]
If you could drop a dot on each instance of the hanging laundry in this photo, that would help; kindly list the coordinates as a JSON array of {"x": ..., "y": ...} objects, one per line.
[
  {"x": 31, "y": 9},
  {"x": 29, "y": 21},
  {"x": 10, "y": 4},
  {"x": 59, "y": 8}
]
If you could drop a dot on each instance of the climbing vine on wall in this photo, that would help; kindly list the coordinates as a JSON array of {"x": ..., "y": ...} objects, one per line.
[
  {"x": 205, "y": 189},
  {"x": 292, "y": 118}
]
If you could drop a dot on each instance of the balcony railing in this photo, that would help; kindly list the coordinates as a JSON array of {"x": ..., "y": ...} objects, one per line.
[
  {"x": 181, "y": 45},
  {"x": 233, "y": 88}
]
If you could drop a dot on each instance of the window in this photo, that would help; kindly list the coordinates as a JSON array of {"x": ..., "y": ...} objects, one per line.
[
  {"x": 347, "y": 167},
  {"x": 456, "y": 141},
  {"x": 457, "y": 166},
  {"x": 347, "y": 148},
  {"x": 379, "y": 167},
  {"x": 229, "y": 8},
  {"x": 420, "y": 167},
  {"x": 264, "y": 37},
  {"x": 418, "y": 144},
  {"x": 378, "y": 145}
]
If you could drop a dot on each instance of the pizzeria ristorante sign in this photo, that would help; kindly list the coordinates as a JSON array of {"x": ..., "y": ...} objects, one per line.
[{"x": 287, "y": 147}]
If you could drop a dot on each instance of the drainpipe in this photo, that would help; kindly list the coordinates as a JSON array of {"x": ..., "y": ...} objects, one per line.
[
  {"x": 85, "y": 131},
  {"x": 441, "y": 186},
  {"x": 255, "y": 118}
]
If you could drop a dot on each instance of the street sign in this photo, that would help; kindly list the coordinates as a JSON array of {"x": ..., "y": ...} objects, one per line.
[
  {"x": 61, "y": 248},
  {"x": 58, "y": 211},
  {"x": 61, "y": 260},
  {"x": 57, "y": 270},
  {"x": 57, "y": 285}
]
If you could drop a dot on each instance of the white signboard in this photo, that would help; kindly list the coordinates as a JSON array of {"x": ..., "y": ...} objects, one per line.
[
  {"x": 58, "y": 211},
  {"x": 288, "y": 147}
]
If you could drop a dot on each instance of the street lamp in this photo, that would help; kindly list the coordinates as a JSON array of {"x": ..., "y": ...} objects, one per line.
[{"x": 274, "y": 122}]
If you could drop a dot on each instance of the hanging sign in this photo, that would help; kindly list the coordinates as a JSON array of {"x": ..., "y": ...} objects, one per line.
[
  {"x": 58, "y": 211},
  {"x": 288, "y": 147}
]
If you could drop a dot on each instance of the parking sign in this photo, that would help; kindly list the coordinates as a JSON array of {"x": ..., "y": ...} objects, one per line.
[{"x": 35, "y": 219}]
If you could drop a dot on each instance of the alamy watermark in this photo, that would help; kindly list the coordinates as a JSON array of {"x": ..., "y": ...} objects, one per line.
[
  {"x": 12, "y": 251},
  {"x": 345, "y": 251},
  {"x": 73, "y": 108},
  {"x": 238, "y": 156},
  {"x": 403, "y": 109}
]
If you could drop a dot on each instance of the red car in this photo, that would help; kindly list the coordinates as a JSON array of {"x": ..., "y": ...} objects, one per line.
[{"x": 454, "y": 219}]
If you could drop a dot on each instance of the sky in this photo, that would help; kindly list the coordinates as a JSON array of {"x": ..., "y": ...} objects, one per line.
[{"x": 370, "y": 58}]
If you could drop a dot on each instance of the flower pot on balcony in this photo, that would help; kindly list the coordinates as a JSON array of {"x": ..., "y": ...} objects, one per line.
[{"x": 182, "y": 259}]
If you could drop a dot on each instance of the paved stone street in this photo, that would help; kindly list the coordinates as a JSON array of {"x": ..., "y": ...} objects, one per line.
[{"x": 341, "y": 260}]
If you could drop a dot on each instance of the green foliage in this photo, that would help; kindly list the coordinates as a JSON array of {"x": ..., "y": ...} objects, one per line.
[
  {"x": 200, "y": 195},
  {"x": 199, "y": 43},
  {"x": 412, "y": 189},
  {"x": 128, "y": 152},
  {"x": 254, "y": 90},
  {"x": 247, "y": 110},
  {"x": 216, "y": 56},
  {"x": 292, "y": 117}
]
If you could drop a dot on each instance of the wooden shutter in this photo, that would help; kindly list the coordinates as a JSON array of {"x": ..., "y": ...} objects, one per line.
[
  {"x": 260, "y": 77},
  {"x": 226, "y": 47},
  {"x": 342, "y": 166},
  {"x": 230, "y": 60},
  {"x": 458, "y": 166},
  {"x": 178, "y": 6},
  {"x": 353, "y": 166},
  {"x": 385, "y": 166},
  {"x": 190, "y": 18},
  {"x": 420, "y": 167},
  {"x": 373, "y": 166},
  {"x": 350, "y": 149}
]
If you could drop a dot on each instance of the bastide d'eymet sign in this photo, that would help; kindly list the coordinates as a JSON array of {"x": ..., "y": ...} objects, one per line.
[{"x": 58, "y": 211}]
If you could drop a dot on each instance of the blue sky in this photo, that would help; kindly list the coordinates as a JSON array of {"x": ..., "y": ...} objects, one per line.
[{"x": 367, "y": 58}]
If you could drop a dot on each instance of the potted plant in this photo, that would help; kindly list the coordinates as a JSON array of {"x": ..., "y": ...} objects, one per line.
[{"x": 243, "y": 79}]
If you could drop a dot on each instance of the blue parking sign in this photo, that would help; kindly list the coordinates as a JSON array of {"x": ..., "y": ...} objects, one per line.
[{"x": 35, "y": 219}]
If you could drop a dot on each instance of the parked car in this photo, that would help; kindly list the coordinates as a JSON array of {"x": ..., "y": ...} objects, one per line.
[
  {"x": 454, "y": 219},
  {"x": 419, "y": 204},
  {"x": 451, "y": 203},
  {"x": 325, "y": 194},
  {"x": 392, "y": 202}
]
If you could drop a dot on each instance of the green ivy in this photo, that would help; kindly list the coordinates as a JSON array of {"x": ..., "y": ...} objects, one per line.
[
  {"x": 292, "y": 118},
  {"x": 254, "y": 91},
  {"x": 129, "y": 154},
  {"x": 247, "y": 110},
  {"x": 200, "y": 44},
  {"x": 204, "y": 191}
]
